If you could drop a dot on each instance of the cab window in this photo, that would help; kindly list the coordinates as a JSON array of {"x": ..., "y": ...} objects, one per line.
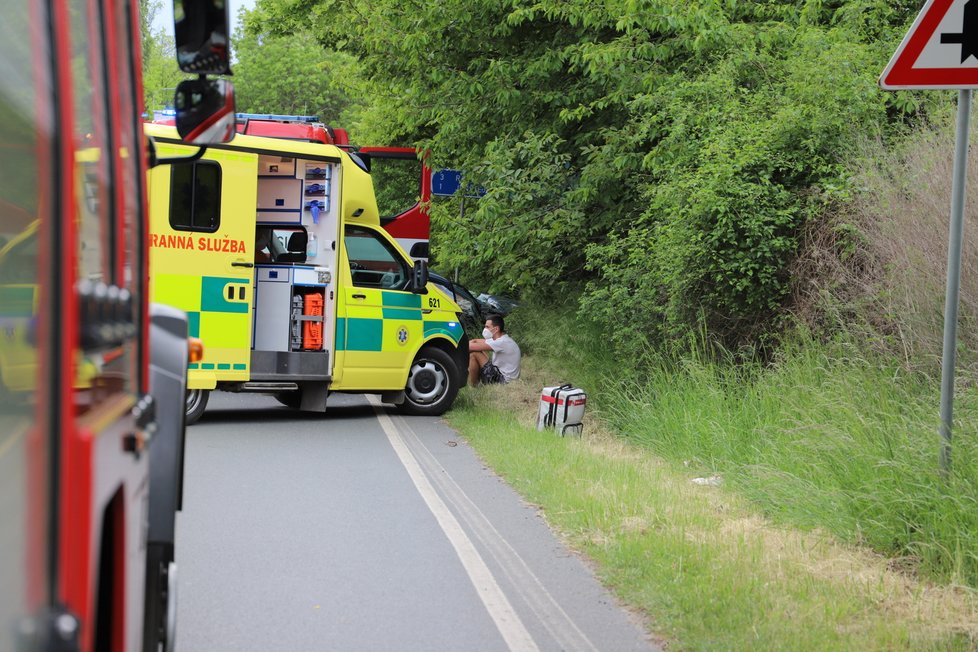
[
  {"x": 195, "y": 189},
  {"x": 31, "y": 308},
  {"x": 373, "y": 262},
  {"x": 96, "y": 255}
]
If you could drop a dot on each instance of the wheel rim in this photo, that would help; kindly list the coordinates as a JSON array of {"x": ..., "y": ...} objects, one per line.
[
  {"x": 194, "y": 397},
  {"x": 427, "y": 382}
]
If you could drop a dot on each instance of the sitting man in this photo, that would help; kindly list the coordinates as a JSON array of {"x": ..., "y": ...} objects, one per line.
[{"x": 505, "y": 363}]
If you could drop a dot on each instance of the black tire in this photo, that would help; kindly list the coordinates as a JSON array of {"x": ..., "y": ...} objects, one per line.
[
  {"x": 432, "y": 383},
  {"x": 292, "y": 399},
  {"x": 196, "y": 404},
  {"x": 159, "y": 624}
]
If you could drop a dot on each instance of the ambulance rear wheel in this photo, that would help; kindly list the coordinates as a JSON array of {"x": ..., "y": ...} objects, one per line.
[
  {"x": 196, "y": 404},
  {"x": 431, "y": 385}
]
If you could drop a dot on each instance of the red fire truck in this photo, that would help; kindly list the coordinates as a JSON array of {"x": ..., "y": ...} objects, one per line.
[{"x": 92, "y": 377}]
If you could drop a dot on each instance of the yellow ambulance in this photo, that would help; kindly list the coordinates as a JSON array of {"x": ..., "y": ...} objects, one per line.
[{"x": 275, "y": 251}]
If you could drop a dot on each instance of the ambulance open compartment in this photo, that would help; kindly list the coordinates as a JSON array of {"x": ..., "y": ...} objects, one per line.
[
  {"x": 291, "y": 304},
  {"x": 294, "y": 301}
]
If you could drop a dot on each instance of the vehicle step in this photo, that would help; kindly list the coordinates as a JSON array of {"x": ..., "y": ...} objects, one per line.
[{"x": 260, "y": 386}]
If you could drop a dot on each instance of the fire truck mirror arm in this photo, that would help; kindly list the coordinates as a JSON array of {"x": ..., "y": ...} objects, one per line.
[{"x": 153, "y": 159}]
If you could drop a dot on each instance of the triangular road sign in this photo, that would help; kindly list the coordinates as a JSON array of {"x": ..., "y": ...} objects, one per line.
[{"x": 939, "y": 51}]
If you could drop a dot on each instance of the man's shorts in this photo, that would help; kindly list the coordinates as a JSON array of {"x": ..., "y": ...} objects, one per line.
[{"x": 490, "y": 374}]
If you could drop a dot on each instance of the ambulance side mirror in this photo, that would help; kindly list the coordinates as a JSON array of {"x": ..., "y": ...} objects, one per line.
[{"x": 419, "y": 278}]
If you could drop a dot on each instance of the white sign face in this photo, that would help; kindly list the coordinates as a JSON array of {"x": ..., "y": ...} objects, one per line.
[
  {"x": 939, "y": 51},
  {"x": 947, "y": 46}
]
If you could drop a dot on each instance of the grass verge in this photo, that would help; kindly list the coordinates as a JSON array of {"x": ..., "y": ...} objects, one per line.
[{"x": 704, "y": 564}]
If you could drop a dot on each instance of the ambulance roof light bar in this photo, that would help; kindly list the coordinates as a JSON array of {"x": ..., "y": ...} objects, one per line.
[{"x": 274, "y": 117}]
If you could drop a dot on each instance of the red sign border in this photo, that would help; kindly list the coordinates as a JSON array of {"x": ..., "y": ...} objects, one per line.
[{"x": 900, "y": 72}]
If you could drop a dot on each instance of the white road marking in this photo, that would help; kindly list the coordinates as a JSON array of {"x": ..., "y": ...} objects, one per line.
[
  {"x": 548, "y": 611},
  {"x": 507, "y": 621}
]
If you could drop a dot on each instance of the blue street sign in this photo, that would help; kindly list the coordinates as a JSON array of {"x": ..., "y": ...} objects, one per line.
[
  {"x": 446, "y": 182},
  {"x": 474, "y": 191}
]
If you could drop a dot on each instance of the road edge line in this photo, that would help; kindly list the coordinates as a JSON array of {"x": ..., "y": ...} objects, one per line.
[
  {"x": 527, "y": 584},
  {"x": 498, "y": 606}
]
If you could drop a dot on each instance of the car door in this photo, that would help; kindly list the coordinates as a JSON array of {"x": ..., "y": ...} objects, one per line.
[{"x": 380, "y": 326}]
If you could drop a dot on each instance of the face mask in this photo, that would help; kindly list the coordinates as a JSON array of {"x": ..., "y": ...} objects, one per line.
[{"x": 486, "y": 334}]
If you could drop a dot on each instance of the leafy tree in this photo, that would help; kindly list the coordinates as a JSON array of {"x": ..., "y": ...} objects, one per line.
[
  {"x": 292, "y": 75},
  {"x": 160, "y": 72},
  {"x": 661, "y": 154}
]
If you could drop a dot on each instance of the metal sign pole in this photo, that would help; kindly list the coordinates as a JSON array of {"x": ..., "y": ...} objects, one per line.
[
  {"x": 461, "y": 220},
  {"x": 955, "y": 236}
]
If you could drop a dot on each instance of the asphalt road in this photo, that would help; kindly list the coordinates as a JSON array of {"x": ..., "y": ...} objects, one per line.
[{"x": 360, "y": 529}]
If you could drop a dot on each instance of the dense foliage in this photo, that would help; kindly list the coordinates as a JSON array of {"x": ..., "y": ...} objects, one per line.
[
  {"x": 662, "y": 154},
  {"x": 293, "y": 76},
  {"x": 160, "y": 72}
]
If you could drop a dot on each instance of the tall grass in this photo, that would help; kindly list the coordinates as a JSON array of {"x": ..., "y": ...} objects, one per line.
[
  {"x": 876, "y": 265},
  {"x": 822, "y": 438}
]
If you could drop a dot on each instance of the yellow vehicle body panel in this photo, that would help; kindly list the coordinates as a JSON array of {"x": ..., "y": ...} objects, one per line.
[
  {"x": 358, "y": 201},
  {"x": 18, "y": 306},
  {"x": 195, "y": 272},
  {"x": 18, "y": 359}
]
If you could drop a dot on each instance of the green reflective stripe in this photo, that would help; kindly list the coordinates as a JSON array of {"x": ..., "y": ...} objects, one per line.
[
  {"x": 361, "y": 335},
  {"x": 401, "y": 300},
  {"x": 212, "y": 298},
  {"x": 193, "y": 365},
  {"x": 224, "y": 365},
  {"x": 17, "y": 301},
  {"x": 193, "y": 324},
  {"x": 207, "y": 365},
  {"x": 340, "y": 344},
  {"x": 452, "y": 329},
  {"x": 364, "y": 334},
  {"x": 402, "y": 314},
  {"x": 240, "y": 367}
]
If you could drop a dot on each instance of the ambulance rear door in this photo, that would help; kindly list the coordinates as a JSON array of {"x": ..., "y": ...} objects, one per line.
[
  {"x": 202, "y": 254},
  {"x": 402, "y": 183}
]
